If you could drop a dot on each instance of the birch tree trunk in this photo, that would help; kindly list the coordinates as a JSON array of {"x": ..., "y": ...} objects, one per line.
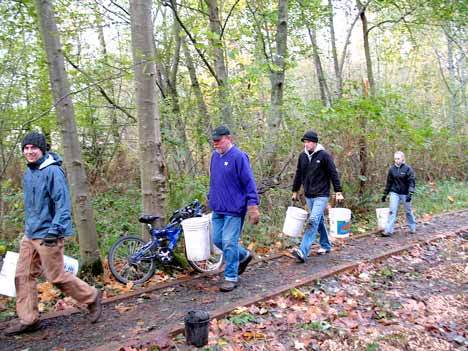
[
  {"x": 83, "y": 212},
  {"x": 220, "y": 63},
  {"x": 153, "y": 170},
  {"x": 277, "y": 73}
]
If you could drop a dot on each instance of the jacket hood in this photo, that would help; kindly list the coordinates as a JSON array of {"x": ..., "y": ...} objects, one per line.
[
  {"x": 318, "y": 148},
  {"x": 51, "y": 159}
]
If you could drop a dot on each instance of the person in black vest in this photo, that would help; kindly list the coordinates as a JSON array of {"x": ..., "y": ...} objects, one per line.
[
  {"x": 315, "y": 170},
  {"x": 401, "y": 183}
]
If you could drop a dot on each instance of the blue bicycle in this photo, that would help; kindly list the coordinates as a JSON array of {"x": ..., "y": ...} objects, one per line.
[{"x": 131, "y": 259}]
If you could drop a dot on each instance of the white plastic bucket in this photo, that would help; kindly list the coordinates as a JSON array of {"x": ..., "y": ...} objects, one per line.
[
  {"x": 340, "y": 222},
  {"x": 197, "y": 238},
  {"x": 214, "y": 249},
  {"x": 382, "y": 217},
  {"x": 294, "y": 221},
  {"x": 7, "y": 275}
]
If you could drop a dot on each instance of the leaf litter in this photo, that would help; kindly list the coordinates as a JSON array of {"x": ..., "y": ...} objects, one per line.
[{"x": 413, "y": 301}]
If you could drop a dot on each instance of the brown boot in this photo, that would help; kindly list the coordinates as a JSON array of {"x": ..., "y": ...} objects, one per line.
[
  {"x": 95, "y": 308},
  {"x": 23, "y": 328},
  {"x": 227, "y": 286}
]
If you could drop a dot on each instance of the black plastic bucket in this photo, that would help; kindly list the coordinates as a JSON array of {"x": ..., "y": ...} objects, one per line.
[{"x": 196, "y": 327}]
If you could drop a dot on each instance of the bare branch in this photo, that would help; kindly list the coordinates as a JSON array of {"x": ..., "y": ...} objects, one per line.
[
  {"x": 101, "y": 89},
  {"x": 193, "y": 41},
  {"x": 227, "y": 19},
  {"x": 268, "y": 57}
]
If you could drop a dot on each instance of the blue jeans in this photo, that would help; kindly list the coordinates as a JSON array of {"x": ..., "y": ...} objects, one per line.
[
  {"x": 395, "y": 200},
  {"x": 226, "y": 235},
  {"x": 316, "y": 206}
]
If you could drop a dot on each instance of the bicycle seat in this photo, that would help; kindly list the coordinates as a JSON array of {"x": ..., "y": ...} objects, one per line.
[{"x": 147, "y": 219}]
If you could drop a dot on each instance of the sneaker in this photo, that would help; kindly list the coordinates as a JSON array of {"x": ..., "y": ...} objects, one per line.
[
  {"x": 386, "y": 234},
  {"x": 23, "y": 328},
  {"x": 243, "y": 265},
  {"x": 95, "y": 308},
  {"x": 298, "y": 254},
  {"x": 323, "y": 251},
  {"x": 412, "y": 231},
  {"x": 227, "y": 285}
]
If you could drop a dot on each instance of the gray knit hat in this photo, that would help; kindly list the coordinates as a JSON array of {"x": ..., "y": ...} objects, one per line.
[{"x": 36, "y": 139}]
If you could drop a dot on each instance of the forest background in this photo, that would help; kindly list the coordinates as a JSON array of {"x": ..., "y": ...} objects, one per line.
[{"x": 128, "y": 93}]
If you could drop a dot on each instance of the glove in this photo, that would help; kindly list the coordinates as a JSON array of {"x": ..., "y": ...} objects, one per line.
[
  {"x": 408, "y": 197},
  {"x": 384, "y": 198},
  {"x": 294, "y": 196},
  {"x": 50, "y": 240},
  {"x": 254, "y": 214},
  {"x": 339, "y": 197}
]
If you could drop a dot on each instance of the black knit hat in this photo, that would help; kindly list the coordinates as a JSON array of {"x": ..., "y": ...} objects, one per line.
[
  {"x": 36, "y": 139},
  {"x": 310, "y": 135}
]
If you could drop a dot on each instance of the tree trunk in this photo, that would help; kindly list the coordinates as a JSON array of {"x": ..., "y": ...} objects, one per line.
[
  {"x": 453, "y": 103},
  {"x": 182, "y": 147},
  {"x": 336, "y": 65},
  {"x": 152, "y": 163},
  {"x": 83, "y": 212},
  {"x": 323, "y": 86},
  {"x": 204, "y": 117},
  {"x": 277, "y": 73},
  {"x": 220, "y": 63},
  {"x": 365, "y": 37}
]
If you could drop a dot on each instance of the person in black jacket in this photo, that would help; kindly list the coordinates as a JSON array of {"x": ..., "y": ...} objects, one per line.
[
  {"x": 401, "y": 183},
  {"x": 315, "y": 170}
]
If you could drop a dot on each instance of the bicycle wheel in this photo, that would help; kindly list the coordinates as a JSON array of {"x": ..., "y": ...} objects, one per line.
[
  {"x": 212, "y": 264},
  {"x": 121, "y": 265}
]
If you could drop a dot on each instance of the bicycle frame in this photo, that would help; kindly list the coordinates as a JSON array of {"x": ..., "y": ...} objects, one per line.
[{"x": 171, "y": 233}]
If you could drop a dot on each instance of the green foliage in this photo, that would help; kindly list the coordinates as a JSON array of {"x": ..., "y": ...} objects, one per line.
[
  {"x": 116, "y": 213},
  {"x": 242, "y": 318},
  {"x": 320, "y": 326},
  {"x": 441, "y": 196},
  {"x": 373, "y": 346},
  {"x": 186, "y": 188}
]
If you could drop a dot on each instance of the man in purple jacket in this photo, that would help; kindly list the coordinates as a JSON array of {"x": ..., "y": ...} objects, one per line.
[{"x": 232, "y": 194}]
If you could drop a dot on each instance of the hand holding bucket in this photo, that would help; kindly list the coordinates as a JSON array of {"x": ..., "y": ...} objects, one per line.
[{"x": 295, "y": 218}]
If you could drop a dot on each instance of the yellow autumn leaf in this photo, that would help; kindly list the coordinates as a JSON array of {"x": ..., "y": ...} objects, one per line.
[
  {"x": 240, "y": 310},
  {"x": 451, "y": 198},
  {"x": 297, "y": 294},
  {"x": 251, "y": 334}
]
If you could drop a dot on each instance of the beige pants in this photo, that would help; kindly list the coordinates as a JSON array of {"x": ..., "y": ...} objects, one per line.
[{"x": 36, "y": 259}]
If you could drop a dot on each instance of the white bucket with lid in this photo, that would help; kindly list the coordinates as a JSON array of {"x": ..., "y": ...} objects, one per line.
[
  {"x": 294, "y": 221},
  {"x": 340, "y": 222},
  {"x": 197, "y": 238},
  {"x": 7, "y": 274},
  {"x": 382, "y": 217}
]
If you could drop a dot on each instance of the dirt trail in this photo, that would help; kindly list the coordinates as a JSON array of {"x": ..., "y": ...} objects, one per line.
[{"x": 140, "y": 316}]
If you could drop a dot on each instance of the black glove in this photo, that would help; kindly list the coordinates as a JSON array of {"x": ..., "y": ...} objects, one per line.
[
  {"x": 408, "y": 197},
  {"x": 50, "y": 240},
  {"x": 384, "y": 198}
]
